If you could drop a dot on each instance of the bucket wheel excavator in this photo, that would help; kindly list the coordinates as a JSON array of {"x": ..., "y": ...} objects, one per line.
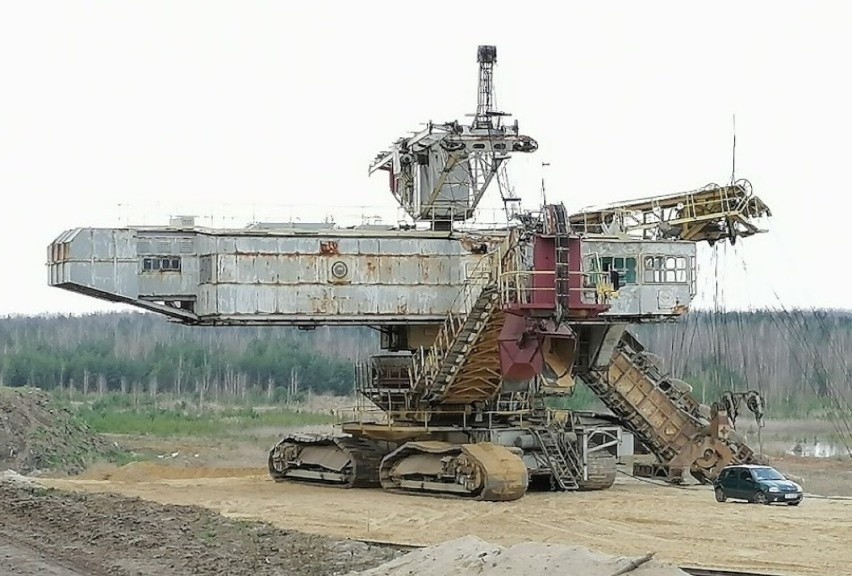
[{"x": 481, "y": 327}]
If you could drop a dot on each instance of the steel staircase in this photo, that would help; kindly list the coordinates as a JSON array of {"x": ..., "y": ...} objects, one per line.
[
  {"x": 565, "y": 463},
  {"x": 384, "y": 380},
  {"x": 463, "y": 364},
  {"x": 446, "y": 363}
]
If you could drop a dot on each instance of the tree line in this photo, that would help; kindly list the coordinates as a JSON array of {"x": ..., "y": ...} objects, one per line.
[
  {"x": 798, "y": 360},
  {"x": 143, "y": 353}
]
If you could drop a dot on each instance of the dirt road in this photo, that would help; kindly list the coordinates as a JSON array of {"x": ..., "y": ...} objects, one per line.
[{"x": 683, "y": 526}]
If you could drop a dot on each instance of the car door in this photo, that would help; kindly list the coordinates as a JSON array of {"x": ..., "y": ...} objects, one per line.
[
  {"x": 738, "y": 483},
  {"x": 746, "y": 485},
  {"x": 727, "y": 481}
]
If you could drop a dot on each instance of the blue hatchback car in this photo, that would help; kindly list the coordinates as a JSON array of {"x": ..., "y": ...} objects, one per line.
[{"x": 760, "y": 484}]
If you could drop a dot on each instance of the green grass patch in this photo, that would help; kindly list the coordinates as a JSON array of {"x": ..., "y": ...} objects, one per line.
[{"x": 175, "y": 422}]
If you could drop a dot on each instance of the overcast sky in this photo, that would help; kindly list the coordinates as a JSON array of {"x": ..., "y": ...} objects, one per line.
[{"x": 117, "y": 110}]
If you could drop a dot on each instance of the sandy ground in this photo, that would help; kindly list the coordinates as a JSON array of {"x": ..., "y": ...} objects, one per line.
[{"x": 684, "y": 526}]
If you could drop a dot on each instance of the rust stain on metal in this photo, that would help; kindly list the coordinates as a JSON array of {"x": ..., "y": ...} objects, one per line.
[
  {"x": 323, "y": 304},
  {"x": 329, "y": 247},
  {"x": 479, "y": 245}
]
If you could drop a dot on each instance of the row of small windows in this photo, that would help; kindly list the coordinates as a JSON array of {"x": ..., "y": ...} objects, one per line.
[
  {"x": 161, "y": 264},
  {"x": 657, "y": 269},
  {"x": 664, "y": 269}
]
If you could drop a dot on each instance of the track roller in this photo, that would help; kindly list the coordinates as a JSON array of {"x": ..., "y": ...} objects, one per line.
[
  {"x": 317, "y": 458},
  {"x": 482, "y": 471},
  {"x": 602, "y": 468}
]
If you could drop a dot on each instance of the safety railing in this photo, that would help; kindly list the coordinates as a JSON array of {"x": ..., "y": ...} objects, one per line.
[
  {"x": 363, "y": 415},
  {"x": 519, "y": 287},
  {"x": 426, "y": 362}
]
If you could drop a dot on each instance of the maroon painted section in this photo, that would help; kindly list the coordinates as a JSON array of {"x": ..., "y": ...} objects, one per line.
[
  {"x": 518, "y": 362},
  {"x": 575, "y": 280},
  {"x": 544, "y": 285}
]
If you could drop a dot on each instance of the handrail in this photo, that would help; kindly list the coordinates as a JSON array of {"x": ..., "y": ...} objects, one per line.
[
  {"x": 361, "y": 415},
  {"x": 516, "y": 287},
  {"x": 426, "y": 364}
]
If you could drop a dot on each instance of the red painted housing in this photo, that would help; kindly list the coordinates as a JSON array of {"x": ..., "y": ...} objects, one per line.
[{"x": 520, "y": 339}]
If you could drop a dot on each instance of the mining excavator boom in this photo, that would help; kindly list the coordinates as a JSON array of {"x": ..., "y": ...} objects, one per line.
[
  {"x": 479, "y": 326},
  {"x": 663, "y": 415}
]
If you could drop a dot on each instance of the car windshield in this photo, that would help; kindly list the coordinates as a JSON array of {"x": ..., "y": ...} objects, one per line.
[{"x": 767, "y": 474}]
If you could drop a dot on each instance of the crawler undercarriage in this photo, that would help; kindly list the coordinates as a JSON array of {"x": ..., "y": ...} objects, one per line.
[{"x": 481, "y": 463}]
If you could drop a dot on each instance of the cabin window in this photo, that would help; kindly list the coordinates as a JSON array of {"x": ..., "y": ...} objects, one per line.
[
  {"x": 626, "y": 268},
  {"x": 161, "y": 264},
  {"x": 665, "y": 270}
]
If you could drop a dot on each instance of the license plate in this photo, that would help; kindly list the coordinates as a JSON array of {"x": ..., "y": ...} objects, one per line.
[{"x": 791, "y": 496}]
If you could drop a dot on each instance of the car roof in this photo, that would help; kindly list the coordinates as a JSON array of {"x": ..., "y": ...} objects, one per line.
[{"x": 748, "y": 466}]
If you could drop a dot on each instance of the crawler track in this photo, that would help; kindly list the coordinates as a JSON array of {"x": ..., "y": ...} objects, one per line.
[
  {"x": 602, "y": 472},
  {"x": 336, "y": 460},
  {"x": 482, "y": 471}
]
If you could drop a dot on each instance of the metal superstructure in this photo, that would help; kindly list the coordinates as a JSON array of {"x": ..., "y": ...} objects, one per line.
[
  {"x": 440, "y": 173},
  {"x": 480, "y": 328}
]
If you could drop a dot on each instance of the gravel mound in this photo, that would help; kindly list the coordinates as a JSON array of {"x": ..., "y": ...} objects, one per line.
[
  {"x": 470, "y": 556},
  {"x": 39, "y": 435}
]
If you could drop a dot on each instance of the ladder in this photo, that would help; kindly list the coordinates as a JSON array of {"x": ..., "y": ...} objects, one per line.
[
  {"x": 447, "y": 360},
  {"x": 433, "y": 370},
  {"x": 385, "y": 381},
  {"x": 565, "y": 464}
]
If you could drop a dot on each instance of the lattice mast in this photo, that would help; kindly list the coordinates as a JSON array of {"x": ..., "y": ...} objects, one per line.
[
  {"x": 439, "y": 175},
  {"x": 485, "y": 105}
]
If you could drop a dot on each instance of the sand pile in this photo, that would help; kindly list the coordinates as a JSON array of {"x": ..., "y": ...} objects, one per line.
[
  {"x": 37, "y": 434},
  {"x": 470, "y": 556}
]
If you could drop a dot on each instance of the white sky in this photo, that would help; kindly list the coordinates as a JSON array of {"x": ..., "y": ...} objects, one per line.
[{"x": 117, "y": 109}]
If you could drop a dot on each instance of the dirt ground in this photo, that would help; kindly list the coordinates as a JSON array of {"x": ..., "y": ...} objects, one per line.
[
  {"x": 54, "y": 533},
  {"x": 684, "y": 526},
  {"x": 203, "y": 506}
]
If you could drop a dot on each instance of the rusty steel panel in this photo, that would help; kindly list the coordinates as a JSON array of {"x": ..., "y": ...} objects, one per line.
[
  {"x": 328, "y": 247},
  {"x": 377, "y": 301},
  {"x": 250, "y": 276},
  {"x": 101, "y": 261},
  {"x": 255, "y": 245},
  {"x": 669, "y": 425}
]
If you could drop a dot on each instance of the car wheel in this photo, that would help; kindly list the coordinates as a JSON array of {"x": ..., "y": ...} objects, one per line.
[
  {"x": 760, "y": 498},
  {"x": 794, "y": 503},
  {"x": 720, "y": 495}
]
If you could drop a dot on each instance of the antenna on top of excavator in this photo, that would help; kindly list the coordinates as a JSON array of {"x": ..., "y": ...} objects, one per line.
[
  {"x": 734, "y": 152},
  {"x": 543, "y": 195},
  {"x": 486, "y": 55}
]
